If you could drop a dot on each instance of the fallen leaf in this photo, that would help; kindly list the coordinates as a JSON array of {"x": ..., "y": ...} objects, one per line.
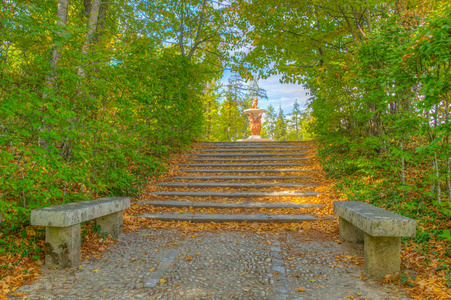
[
  {"x": 18, "y": 294},
  {"x": 300, "y": 290}
]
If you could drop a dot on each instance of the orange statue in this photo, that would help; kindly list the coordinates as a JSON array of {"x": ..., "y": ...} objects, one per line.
[
  {"x": 255, "y": 124},
  {"x": 254, "y": 103}
]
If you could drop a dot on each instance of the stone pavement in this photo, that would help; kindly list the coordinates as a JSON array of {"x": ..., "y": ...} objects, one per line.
[{"x": 168, "y": 264}]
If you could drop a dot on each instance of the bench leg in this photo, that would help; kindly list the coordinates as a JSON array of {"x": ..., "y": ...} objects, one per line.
[
  {"x": 62, "y": 246},
  {"x": 111, "y": 224},
  {"x": 382, "y": 255},
  {"x": 349, "y": 232}
]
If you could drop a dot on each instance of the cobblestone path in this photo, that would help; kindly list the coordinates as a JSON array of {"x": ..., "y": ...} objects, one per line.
[{"x": 300, "y": 260}]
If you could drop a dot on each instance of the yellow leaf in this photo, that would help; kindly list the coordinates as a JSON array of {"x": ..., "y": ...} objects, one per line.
[
  {"x": 162, "y": 280},
  {"x": 30, "y": 231},
  {"x": 96, "y": 271},
  {"x": 19, "y": 294},
  {"x": 351, "y": 297},
  {"x": 189, "y": 258},
  {"x": 151, "y": 270}
]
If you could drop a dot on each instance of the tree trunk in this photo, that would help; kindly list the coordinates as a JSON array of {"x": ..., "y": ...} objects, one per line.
[
  {"x": 245, "y": 128},
  {"x": 437, "y": 174},
  {"x": 62, "y": 14}
]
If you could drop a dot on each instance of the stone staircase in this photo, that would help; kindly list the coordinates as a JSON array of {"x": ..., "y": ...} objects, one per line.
[{"x": 238, "y": 182}]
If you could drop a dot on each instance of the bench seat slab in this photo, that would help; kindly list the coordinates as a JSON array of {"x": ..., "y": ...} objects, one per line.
[
  {"x": 382, "y": 255},
  {"x": 62, "y": 246},
  {"x": 78, "y": 212},
  {"x": 374, "y": 220}
]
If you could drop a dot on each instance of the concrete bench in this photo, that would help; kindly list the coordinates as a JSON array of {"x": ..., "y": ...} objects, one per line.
[
  {"x": 380, "y": 231},
  {"x": 62, "y": 222}
]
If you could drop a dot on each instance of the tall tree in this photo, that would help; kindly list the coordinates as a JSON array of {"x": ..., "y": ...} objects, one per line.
[
  {"x": 295, "y": 120},
  {"x": 268, "y": 128},
  {"x": 280, "y": 127}
]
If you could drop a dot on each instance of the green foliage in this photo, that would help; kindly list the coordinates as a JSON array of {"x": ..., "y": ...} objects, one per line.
[
  {"x": 89, "y": 111},
  {"x": 378, "y": 75}
]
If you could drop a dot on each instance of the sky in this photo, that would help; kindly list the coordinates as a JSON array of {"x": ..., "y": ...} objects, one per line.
[
  {"x": 279, "y": 93},
  {"x": 283, "y": 94}
]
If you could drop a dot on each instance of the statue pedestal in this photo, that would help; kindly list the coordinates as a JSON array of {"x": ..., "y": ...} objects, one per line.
[{"x": 255, "y": 138}]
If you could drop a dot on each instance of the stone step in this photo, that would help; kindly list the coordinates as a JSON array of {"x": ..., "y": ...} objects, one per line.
[
  {"x": 236, "y": 194},
  {"x": 254, "y": 205},
  {"x": 266, "y": 143},
  {"x": 237, "y": 177},
  {"x": 254, "y": 154},
  {"x": 231, "y": 185},
  {"x": 246, "y": 159},
  {"x": 247, "y": 145},
  {"x": 241, "y": 165},
  {"x": 241, "y": 170},
  {"x": 252, "y": 149},
  {"x": 221, "y": 218}
]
